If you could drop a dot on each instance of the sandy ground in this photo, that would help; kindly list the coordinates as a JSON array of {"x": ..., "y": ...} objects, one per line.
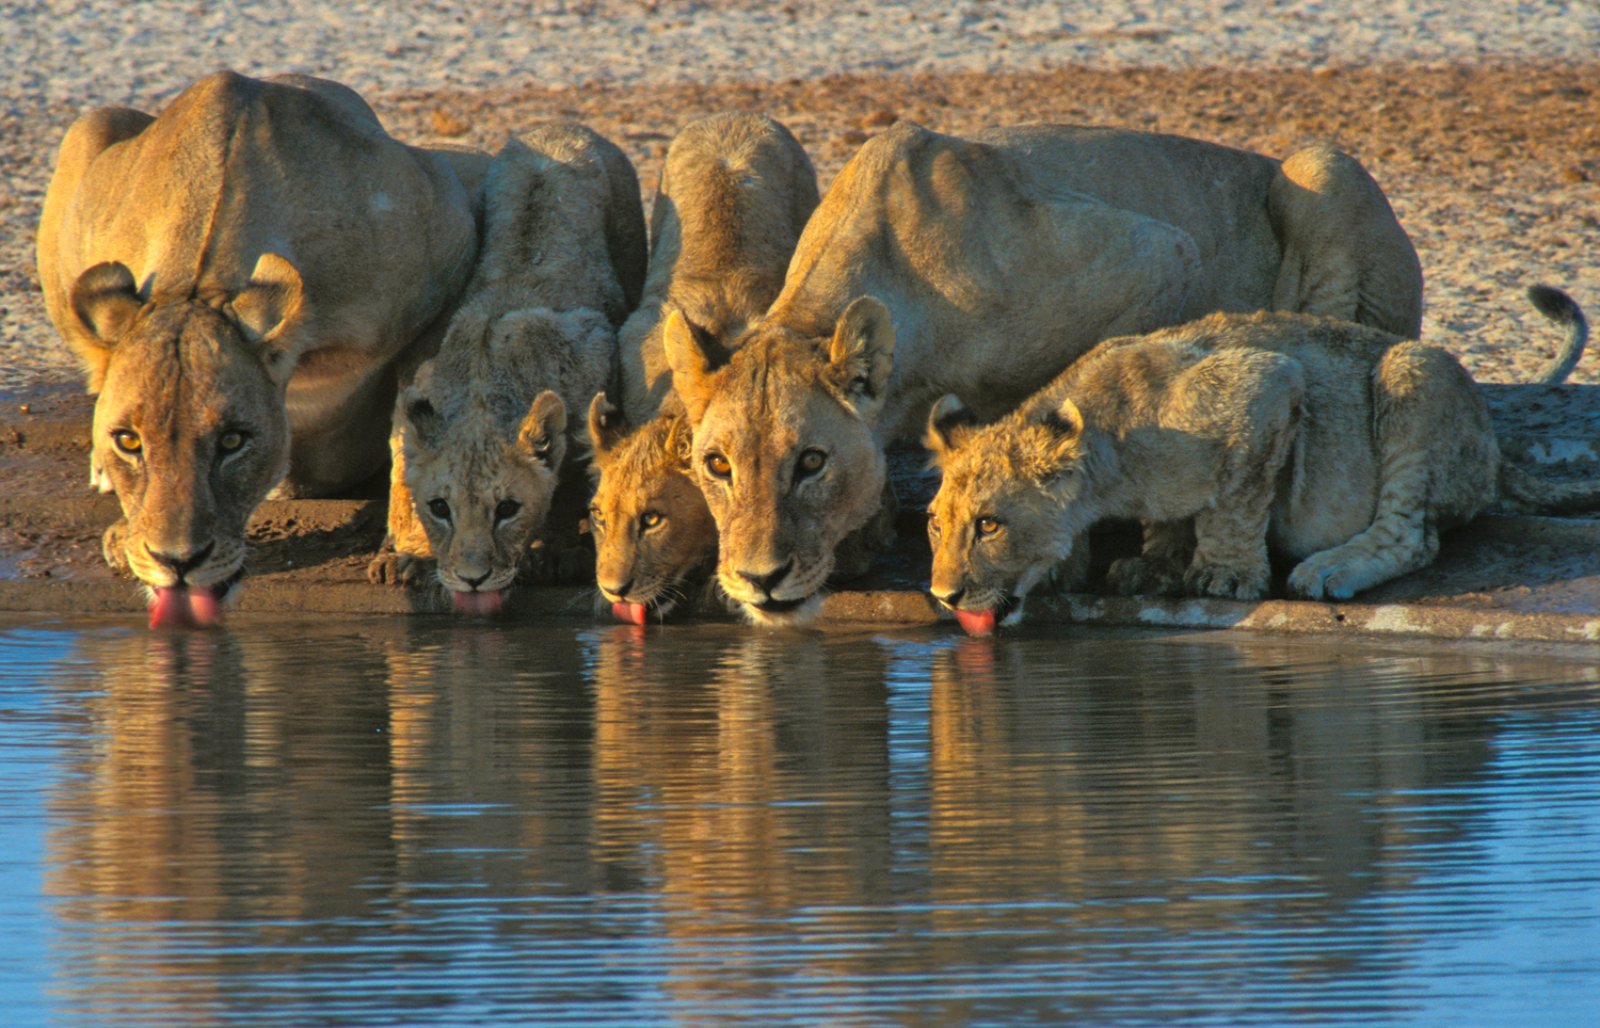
[{"x": 1481, "y": 121}]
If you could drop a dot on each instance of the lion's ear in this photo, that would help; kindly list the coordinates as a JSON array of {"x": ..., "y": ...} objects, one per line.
[
  {"x": 607, "y": 426},
  {"x": 419, "y": 421},
  {"x": 265, "y": 308},
  {"x": 542, "y": 436},
  {"x": 947, "y": 424},
  {"x": 862, "y": 352},
  {"x": 694, "y": 358},
  {"x": 1065, "y": 423},
  {"x": 680, "y": 441},
  {"x": 105, "y": 302}
]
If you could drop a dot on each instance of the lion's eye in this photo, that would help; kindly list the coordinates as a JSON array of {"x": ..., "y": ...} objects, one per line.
[
  {"x": 439, "y": 509},
  {"x": 811, "y": 462},
  {"x": 718, "y": 466},
  {"x": 597, "y": 521},
  {"x": 934, "y": 525},
  {"x": 650, "y": 519},
  {"x": 127, "y": 440},
  {"x": 230, "y": 442},
  {"x": 988, "y": 526},
  {"x": 505, "y": 510}
]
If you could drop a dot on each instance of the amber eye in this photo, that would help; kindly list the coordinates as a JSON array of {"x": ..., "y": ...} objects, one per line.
[
  {"x": 718, "y": 466},
  {"x": 650, "y": 519},
  {"x": 127, "y": 440},
  {"x": 439, "y": 509},
  {"x": 934, "y": 524},
  {"x": 505, "y": 510},
  {"x": 810, "y": 463},
  {"x": 597, "y": 521},
  {"x": 230, "y": 442},
  {"x": 988, "y": 526}
]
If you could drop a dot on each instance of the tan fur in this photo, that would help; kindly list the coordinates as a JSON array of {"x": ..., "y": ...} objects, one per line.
[
  {"x": 1334, "y": 444},
  {"x": 735, "y": 192},
  {"x": 482, "y": 435},
  {"x": 654, "y": 537},
  {"x": 998, "y": 261},
  {"x": 240, "y": 276}
]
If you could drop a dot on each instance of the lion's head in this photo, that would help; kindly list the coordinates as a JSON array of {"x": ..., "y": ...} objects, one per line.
[
  {"x": 482, "y": 472},
  {"x": 1013, "y": 498},
  {"x": 784, "y": 449},
  {"x": 190, "y": 426},
  {"x": 653, "y": 533}
]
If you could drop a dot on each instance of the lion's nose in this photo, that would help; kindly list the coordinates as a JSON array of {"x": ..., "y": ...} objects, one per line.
[
  {"x": 181, "y": 564},
  {"x": 473, "y": 583},
  {"x": 951, "y": 598},
  {"x": 767, "y": 581},
  {"x": 617, "y": 590}
]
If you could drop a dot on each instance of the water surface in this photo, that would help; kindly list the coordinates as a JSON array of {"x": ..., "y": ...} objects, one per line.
[{"x": 432, "y": 821}]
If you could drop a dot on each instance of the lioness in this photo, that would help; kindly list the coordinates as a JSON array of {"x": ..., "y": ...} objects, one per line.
[
  {"x": 986, "y": 266},
  {"x": 240, "y": 275},
  {"x": 1337, "y": 445},
  {"x": 735, "y": 192},
  {"x": 481, "y": 435}
]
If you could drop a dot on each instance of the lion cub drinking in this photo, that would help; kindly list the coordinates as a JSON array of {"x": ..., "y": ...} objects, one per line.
[
  {"x": 735, "y": 192},
  {"x": 1337, "y": 445},
  {"x": 481, "y": 435}
]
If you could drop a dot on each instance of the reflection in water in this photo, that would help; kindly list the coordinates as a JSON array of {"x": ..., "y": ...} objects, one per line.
[{"x": 430, "y": 821}]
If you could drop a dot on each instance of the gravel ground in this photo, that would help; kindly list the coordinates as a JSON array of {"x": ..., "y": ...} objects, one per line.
[{"x": 1481, "y": 120}]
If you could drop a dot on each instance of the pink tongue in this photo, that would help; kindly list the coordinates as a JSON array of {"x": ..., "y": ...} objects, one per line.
[
  {"x": 976, "y": 622},
  {"x": 478, "y": 603},
  {"x": 633, "y": 613},
  {"x": 182, "y": 606}
]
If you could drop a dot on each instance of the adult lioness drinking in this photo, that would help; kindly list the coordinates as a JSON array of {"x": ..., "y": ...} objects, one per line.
[
  {"x": 239, "y": 275},
  {"x": 985, "y": 267}
]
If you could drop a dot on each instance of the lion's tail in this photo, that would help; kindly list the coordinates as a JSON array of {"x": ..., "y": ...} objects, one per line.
[
  {"x": 1563, "y": 310},
  {"x": 1522, "y": 490},
  {"x": 1527, "y": 493}
]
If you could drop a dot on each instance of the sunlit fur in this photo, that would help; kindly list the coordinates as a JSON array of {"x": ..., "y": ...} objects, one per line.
[
  {"x": 643, "y": 475},
  {"x": 189, "y": 260},
  {"x": 181, "y": 378}
]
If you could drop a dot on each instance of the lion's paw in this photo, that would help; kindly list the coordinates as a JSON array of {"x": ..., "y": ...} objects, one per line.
[
  {"x": 1143, "y": 576},
  {"x": 1227, "y": 582},
  {"x": 1317, "y": 579},
  {"x": 113, "y": 546},
  {"x": 392, "y": 567}
]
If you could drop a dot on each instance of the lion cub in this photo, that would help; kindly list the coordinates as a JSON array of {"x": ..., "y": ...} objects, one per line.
[
  {"x": 1337, "y": 445},
  {"x": 481, "y": 435},
  {"x": 735, "y": 192}
]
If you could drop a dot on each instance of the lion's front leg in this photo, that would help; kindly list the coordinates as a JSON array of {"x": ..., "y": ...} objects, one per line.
[
  {"x": 1254, "y": 417},
  {"x": 406, "y": 556}
]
